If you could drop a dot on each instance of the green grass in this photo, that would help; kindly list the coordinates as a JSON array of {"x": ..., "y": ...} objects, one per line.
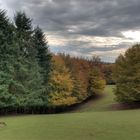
[
  {"x": 100, "y": 104},
  {"x": 93, "y": 123}
]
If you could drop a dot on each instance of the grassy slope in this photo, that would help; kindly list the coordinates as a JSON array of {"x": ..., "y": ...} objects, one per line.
[
  {"x": 100, "y": 104},
  {"x": 95, "y": 123}
]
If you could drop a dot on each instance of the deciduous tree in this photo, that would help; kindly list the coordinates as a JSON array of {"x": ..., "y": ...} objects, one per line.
[{"x": 127, "y": 75}]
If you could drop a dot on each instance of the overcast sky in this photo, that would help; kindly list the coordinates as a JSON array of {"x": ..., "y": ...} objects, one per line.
[{"x": 84, "y": 27}]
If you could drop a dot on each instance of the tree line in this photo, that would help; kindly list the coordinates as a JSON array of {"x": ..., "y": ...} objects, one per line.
[
  {"x": 75, "y": 79},
  {"x": 32, "y": 79}
]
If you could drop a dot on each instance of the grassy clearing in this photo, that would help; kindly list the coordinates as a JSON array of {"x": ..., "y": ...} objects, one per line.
[
  {"x": 95, "y": 123},
  {"x": 99, "y": 104}
]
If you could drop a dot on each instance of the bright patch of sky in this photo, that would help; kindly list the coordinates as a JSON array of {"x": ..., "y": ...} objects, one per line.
[{"x": 84, "y": 27}]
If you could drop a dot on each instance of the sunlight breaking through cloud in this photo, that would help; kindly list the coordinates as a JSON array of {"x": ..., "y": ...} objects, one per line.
[{"x": 134, "y": 35}]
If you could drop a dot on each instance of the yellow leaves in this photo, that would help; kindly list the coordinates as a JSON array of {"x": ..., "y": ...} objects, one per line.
[
  {"x": 64, "y": 101},
  {"x": 61, "y": 84},
  {"x": 96, "y": 82},
  {"x": 67, "y": 90},
  {"x": 62, "y": 81},
  {"x": 100, "y": 84}
]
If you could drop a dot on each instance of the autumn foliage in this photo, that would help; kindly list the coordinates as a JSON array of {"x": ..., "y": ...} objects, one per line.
[
  {"x": 32, "y": 79},
  {"x": 74, "y": 80}
]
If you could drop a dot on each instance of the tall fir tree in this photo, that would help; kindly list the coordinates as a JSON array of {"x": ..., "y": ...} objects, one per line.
[
  {"x": 27, "y": 69},
  {"x": 6, "y": 61},
  {"x": 43, "y": 54}
]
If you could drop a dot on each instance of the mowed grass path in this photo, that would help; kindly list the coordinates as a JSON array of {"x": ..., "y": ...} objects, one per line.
[{"x": 94, "y": 123}]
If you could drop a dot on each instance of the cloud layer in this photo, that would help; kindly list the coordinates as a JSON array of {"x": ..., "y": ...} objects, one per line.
[{"x": 84, "y": 27}]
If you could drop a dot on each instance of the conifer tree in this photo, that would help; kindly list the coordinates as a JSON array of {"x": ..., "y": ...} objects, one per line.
[
  {"x": 43, "y": 54},
  {"x": 26, "y": 68},
  {"x": 6, "y": 61}
]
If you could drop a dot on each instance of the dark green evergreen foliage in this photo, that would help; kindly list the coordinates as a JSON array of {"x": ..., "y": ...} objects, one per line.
[
  {"x": 24, "y": 32},
  {"x": 6, "y": 60},
  {"x": 22, "y": 22},
  {"x": 26, "y": 68},
  {"x": 21, "y": 87},
  {"x": 43, "y": 54},
  {"x": 32, "y": 77},
  {"x": 127, "y": 75}
]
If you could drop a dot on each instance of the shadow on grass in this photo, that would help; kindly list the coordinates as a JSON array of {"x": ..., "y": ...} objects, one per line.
[
  {"x": 125, "y": 106},
  {"x": 90, "y": 100}
]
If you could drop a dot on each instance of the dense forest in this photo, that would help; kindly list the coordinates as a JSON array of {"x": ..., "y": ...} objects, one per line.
[{"x": 33, "y": 80}]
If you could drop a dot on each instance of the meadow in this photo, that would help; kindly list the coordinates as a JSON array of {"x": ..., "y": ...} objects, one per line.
[{"x": 93, "y": 121}]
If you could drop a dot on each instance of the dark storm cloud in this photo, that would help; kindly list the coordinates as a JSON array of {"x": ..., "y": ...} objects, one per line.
[{"x": 75, "y": 18}]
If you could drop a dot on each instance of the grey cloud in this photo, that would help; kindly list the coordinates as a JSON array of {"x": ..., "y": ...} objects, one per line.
[{"x": 104, "y": 18}]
